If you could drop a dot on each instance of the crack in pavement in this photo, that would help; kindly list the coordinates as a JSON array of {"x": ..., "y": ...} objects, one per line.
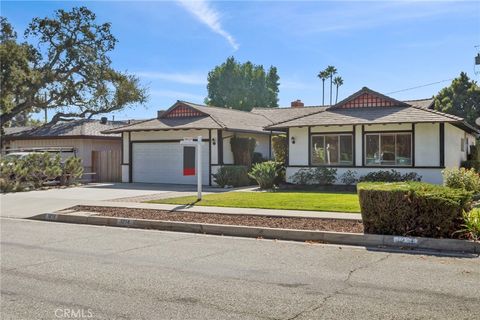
[{"x": 339, "y": 291}]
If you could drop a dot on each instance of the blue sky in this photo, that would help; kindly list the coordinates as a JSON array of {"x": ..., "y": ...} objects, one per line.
[{"x": 387, "y": 46}]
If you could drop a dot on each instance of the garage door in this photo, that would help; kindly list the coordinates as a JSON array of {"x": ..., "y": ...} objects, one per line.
[{"x": 164, "y": 163}]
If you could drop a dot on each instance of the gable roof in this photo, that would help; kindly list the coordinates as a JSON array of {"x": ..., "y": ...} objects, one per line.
[
  {"x": 370, "y": 107},
  {"x": 206, "y": 117},
  {"x": 88, "y": 128},
  {"x": 366, "y": 98}
]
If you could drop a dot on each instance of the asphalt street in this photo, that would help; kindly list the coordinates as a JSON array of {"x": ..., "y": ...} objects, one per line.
[{"x": 63, "y": 271}]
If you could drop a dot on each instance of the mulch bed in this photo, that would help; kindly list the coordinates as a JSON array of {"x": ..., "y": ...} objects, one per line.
[{"x": 337, "y": 225}]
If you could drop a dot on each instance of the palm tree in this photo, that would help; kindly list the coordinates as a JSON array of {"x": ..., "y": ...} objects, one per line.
[
  {"x": 331, "y": 71},
  {"x": 323, "y": 75},
  {"x": 338, "y": 82}
]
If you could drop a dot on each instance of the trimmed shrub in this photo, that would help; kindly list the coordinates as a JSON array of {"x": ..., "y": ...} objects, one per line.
[
  {"x": 324, "y": 176},
  {"x": 265, "y": 174},
  {"x": 412, "y": 208},
  {"x": 390, "y": 176},
  {"x": 349, "y": 178},
  {"x": 242, "y": 149},
  {"x": 236, "y": 176},
  {"x": 471, "y": 164},
  {"x": 303, "y": 176},
  {"x": 461, "y": 178},
  {"x": 280, "y": 148}
]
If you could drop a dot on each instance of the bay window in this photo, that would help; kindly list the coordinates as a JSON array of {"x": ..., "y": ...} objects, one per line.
[
  {"x": 388, "y": 149},
  {"x": 331, "y": 149}
]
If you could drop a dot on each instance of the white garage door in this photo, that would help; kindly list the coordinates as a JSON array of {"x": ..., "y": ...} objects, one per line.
[{"x": 163, "y": 163}]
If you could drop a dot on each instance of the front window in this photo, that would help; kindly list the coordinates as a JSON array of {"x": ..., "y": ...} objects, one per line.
[
  {"x": 388, "y": 149},
  {"x": 332, "y": 149}
]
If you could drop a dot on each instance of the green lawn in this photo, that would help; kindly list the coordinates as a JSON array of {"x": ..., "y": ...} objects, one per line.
[{"x": 297, "y": 200}]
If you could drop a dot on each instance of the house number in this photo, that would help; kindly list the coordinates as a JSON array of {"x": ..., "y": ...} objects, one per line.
[
  {"x": 405, "y": 240},
  {"x": 124, "y": 222}
]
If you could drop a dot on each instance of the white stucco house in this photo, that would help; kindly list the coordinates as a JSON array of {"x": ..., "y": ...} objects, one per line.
[{"x": 367, "y": 131}]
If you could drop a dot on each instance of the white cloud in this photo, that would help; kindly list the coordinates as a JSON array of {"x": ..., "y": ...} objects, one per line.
[
  {"x": 208, "y": 15},
  {"x": 184, "y": 78},
  {"x": 177, "y": 95}
]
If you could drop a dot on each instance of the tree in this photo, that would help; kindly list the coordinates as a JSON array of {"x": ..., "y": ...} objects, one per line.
[
  {"x": 323, "y": 75},
  {"x": 338, "y": 82},
  {"x": 63, "y": 65},
  {"x": 331, "y": 71},
  {"x": 461, "y": 98},
  {"x": 242, "y": 86}
]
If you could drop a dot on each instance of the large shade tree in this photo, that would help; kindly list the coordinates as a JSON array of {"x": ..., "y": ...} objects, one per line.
[
  {"x": 461, "y": 98},
  {"x": 242, "y": 86},
  {"x": 63, "y": 65}
]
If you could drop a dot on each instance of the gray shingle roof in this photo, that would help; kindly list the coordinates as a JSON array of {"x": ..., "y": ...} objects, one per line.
[
  {"x": 283, "y": 114},
  {"x": 421, "y": 103},
  {"x": 82, "y": 127},
  {"x": 13, "y": 130},
  {"x": 371, "y": 115},
  {"x": 215, "y": 118}
]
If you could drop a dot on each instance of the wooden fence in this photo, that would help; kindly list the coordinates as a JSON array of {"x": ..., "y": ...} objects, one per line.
[{"x": 107, "y": 166}]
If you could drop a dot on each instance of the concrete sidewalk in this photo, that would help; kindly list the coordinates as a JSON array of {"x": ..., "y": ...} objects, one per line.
[{"x": 228, "y": 210}]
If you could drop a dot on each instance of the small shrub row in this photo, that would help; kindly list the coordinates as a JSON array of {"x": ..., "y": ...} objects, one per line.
[
  {"x": 390, "y": 176},
  {"x": 319, "y": 175},
  {"x": 412, "y": 208}
]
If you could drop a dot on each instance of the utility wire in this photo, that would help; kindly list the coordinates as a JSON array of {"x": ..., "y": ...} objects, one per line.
[{"x": 421, "y": 86}]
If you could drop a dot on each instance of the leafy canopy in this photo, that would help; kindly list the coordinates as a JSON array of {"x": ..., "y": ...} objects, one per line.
[
  {"x": 63, "y": 65},
  {"x": 461, "y": 98},
  {"x": 242, "y": 86}
]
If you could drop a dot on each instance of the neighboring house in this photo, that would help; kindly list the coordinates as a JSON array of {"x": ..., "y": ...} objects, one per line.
[
  {"x": 152, "y": 152},
  {"x": 85, "y": 136},
  {"x": 369, "y": 131},
  {"x": 365, "y": 132}
]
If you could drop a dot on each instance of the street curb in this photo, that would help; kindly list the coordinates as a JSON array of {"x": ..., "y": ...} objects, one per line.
[{"x": 343, "y": 238}]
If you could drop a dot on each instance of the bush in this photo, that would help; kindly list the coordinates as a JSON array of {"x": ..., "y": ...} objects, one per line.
[
  {"x": 471, "y": 164},
  {"x": 265, "y": 174},
  {"x": 320, "y": 175},
  {"x": 471, "y": 225},
  {"x": 461, "y": 178},
  {"x": 242, "y": 149},
  {"x": 349, "y": 177},
  {"x": 236, "y": 176},
  {"x": 324, "y": 176},
  {"x": 257, "y": 158},
  {"x": 303, "y": 176},
  {"x": 72, "y": 170},
  {"x": 390, "y": 176},
  {"x": 412, "y": 209},
  {"x": 280, "y": 148}
]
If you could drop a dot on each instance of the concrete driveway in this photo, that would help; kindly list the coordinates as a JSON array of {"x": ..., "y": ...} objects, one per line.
[{"x": 27, "y": 204}]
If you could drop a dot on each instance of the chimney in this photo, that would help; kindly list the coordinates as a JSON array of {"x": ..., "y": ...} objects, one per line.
[
  {"x": 103, "y": 120},
  {"x": 160, "y": 113},
  {"x": 297, "y": 104}
]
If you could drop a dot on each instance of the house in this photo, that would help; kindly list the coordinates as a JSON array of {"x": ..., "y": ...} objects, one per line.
[
  {"x": 83, "y": 136},
  {"x": 152, "y": 152},
  {"x": 367, "y": 131}
]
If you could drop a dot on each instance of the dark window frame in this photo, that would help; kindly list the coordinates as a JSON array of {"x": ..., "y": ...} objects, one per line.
[
  {"x": 335, "y": 134},
  {"x": 389, "y": 133}
]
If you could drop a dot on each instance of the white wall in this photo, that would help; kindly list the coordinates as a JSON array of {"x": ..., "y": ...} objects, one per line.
[
  {"x": 427, "y": 144},
  {"x": 169, "y": 135},
  {"x": 298, "y": 152},
  {"x": 388, "y": 127},
  {"x": 126, "y": 147},
  {"x": 320, "y": 129},
  {"x": 358, "y": 145},
  {"x": 453, "y": 154}
]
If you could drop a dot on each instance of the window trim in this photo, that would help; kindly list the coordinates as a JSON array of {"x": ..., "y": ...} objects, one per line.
[
  {"x": 336, "y": 134},
  {"x": 394, "y": 133}
]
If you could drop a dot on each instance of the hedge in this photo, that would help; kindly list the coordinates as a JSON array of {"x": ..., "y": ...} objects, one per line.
[
  {"x": 236, "y": 176},
  {"x": 412, "y": 208}
]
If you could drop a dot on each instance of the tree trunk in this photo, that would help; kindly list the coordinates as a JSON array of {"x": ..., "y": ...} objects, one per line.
[
  {"x": 323, "y": 92},
  {"x": 331, "y": 85},
  {"x": 336, "y": 95}
]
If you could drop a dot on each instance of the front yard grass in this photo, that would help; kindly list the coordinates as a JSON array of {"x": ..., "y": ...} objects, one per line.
[{"x": 286, "y": 200}]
